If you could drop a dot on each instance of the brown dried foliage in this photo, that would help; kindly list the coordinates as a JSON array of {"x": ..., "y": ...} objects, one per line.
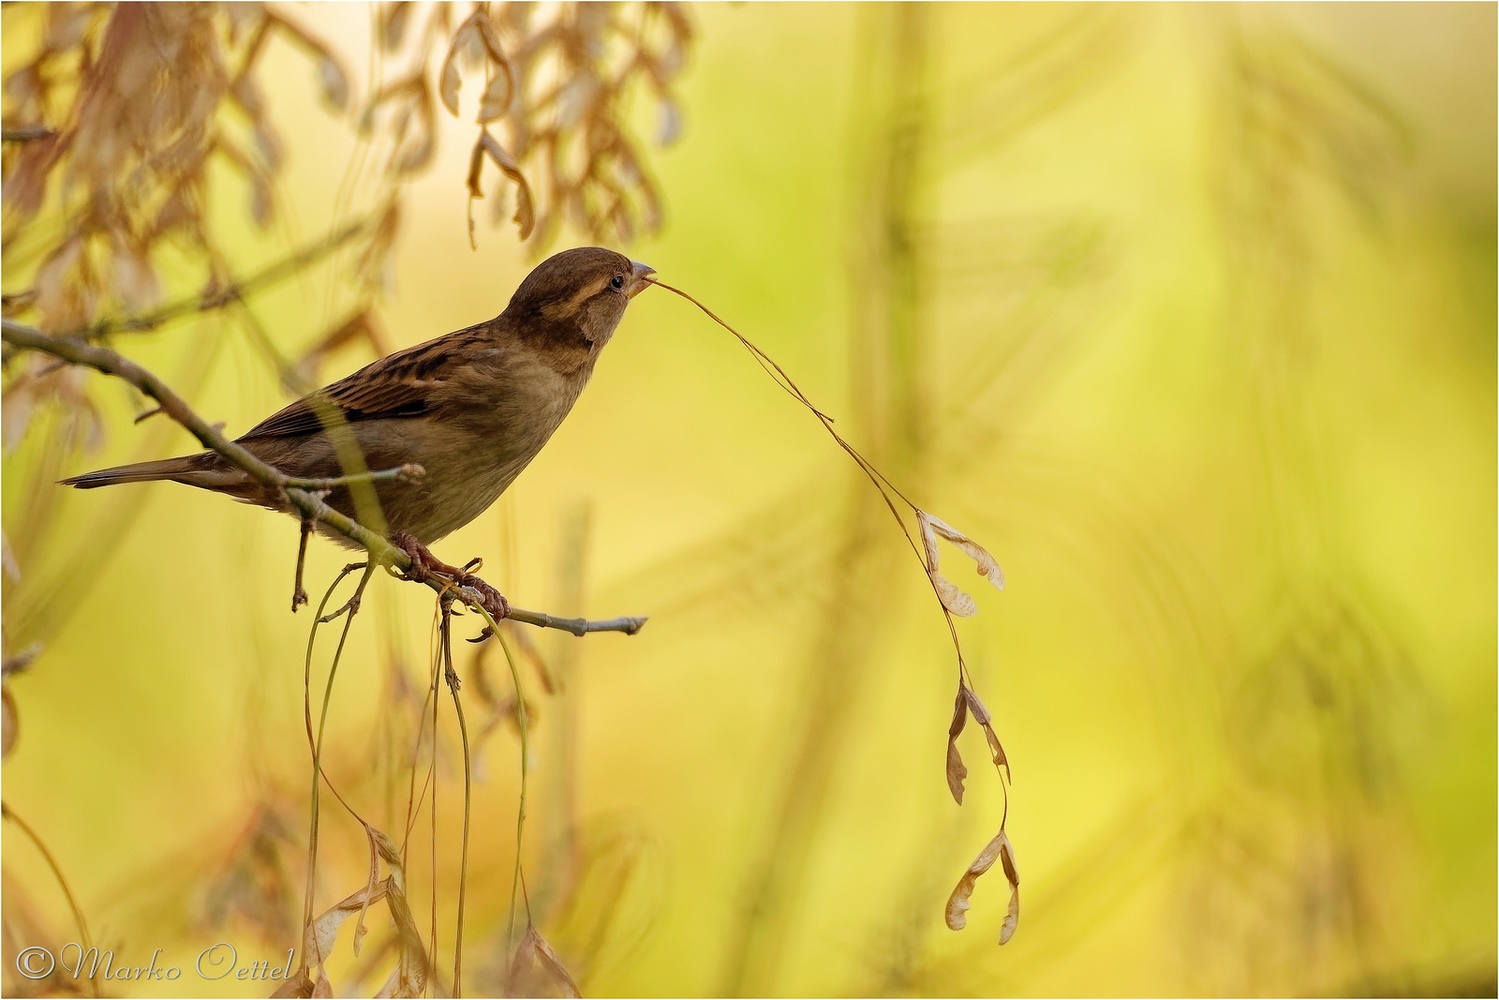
[
  {"x": 552, "y": 84},
  {"x": 957, "y": 904},
  {"x": 138, "y": 102},
  {"x": 253, "y": 885},
  {"x": 409, "y": 977},
  {"x": 953, "y": 599},
  {"x": 535, "y": 970},
  {"x": 116, "y": 125}
]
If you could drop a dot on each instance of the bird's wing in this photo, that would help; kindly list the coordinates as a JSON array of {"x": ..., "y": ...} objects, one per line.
[{"x": 397, "y": 386}]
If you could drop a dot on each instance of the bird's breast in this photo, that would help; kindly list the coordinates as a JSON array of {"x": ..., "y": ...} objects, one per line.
[{"x": 473, "y": 455}]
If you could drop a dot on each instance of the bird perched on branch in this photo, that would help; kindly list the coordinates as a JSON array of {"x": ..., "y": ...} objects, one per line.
[{"x": 471, "y": 409}]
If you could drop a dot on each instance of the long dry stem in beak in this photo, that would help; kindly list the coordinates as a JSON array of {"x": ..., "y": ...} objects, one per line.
[
  {"x": 888, "y": 491},
  {"x": 952, "y": 601}
]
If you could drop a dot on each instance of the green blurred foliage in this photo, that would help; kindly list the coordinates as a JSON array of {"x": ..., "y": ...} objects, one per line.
[{"x": 1186, "y": 312}]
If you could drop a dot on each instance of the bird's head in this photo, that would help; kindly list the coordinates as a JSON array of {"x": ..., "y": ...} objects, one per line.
[{"x": 577, "y": 297}]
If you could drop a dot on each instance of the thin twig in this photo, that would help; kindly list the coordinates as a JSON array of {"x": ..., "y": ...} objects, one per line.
[
  {"x": 351, "y": 606},
  {"x": 522, "y": 724},
  {"x": 26, "y": 133},
  {"x": 578, "y": 626},
  {"x": 433, "y": 692},
  {"x": 7, "y": 813},
  {"x": 314, "y": 743},
  {"x": 269, "y": 275},
  {"x": 468, "y": 781},
  {"x": 406, "y": 473}
]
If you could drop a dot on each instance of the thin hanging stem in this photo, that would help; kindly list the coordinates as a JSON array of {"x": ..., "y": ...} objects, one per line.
[
  {"x": 314, "y": 742},
  {"x": 468, "y": 774},
  {"x": 86, "y": 939}
]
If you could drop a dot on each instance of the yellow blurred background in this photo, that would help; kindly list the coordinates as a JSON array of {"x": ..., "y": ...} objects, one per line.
[{"x": 1186, "y": 312}]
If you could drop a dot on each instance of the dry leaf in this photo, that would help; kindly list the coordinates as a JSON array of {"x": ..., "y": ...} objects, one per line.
[
  {"x": 393, "y": 20},
  {"x": 410, "y": 976},
  {"x": 983, "y": 718},
  {"x": 957, "y": 903},
  {"x": 956, "y": 771},
  {"x": 953, "y": 598},
  {"x": 322, "y": 988},
  {"x": 134, "y": 278},
  {"x": 67, "y": 25},
  {"x": 984, "y": 562},
  {"x": 496, "y": 99},
  {"x": 1012, "y": 917},
  {"x": 318, "y": 941},
  {"x": 623, "y": 225},
  {"x": 476, "y": 171},
  {"x": 359, "y": 929},
  {"x": 401, "y": 984},
  {"x": 418, "y": 147},
  {"x": 449, "y": 80},
  {"x": 54, "y": 284},
  {"x": 501, "y": 156},
  {"x": 491, "y": 41},
  {"x": 298, "y": 987},
  {"x": 489, "y": 146},
  {"x": 333, "y": 82},
  {"x": 374, "y": 264},
  {"x": 533, "y": 950},
  {"x": 262, "y": 201},
  {"x": 554, "y": 967},
  {"x": 1012, "y": 913},
  {"x": 525, "y": 212},
  {"x": 253, "y": 885},
  {"x": 560, "y": 91},
  {"x": 670, "y": 128},
  {"x": 247, "y": 96},
  {"x": 387, "y": 849},
  {"x": 520, "y": 964},
  {"x": 268, "y": 145}
]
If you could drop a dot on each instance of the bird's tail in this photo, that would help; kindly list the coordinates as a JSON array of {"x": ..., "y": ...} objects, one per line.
[{"x": 203, "y": 470}]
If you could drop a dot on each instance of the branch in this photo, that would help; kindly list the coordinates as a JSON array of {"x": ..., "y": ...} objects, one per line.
[
  {"x": 406, "y": 473},
  {"x": 26, "y": 133},
  {"x": 228, "y": 295},
  {"x": 578, "y": 626},
  {"x": 305, "y": 495}
]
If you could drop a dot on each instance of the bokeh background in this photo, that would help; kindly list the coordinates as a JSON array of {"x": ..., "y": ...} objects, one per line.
[{"x": 1186, "y": 312}]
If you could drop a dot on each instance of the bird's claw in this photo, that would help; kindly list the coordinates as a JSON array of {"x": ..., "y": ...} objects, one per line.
[{"x": 426, "y": 567}]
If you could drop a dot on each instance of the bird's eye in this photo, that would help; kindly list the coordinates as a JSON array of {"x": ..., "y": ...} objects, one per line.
[{"x": 617, "y": 282}]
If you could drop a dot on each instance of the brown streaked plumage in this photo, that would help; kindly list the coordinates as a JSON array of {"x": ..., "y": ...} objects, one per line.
[{"x": 471, "y": 408}]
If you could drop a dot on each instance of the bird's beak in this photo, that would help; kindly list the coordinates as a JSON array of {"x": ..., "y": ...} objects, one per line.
[{"x": 639, "y": 277}]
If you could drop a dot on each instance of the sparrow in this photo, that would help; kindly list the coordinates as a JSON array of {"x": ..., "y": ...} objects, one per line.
[{"x": 471, "y": 408}]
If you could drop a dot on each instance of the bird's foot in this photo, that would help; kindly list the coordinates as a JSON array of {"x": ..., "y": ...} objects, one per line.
[
  {"x": 425, "y": 567},
  {"x": 299, "y": 592}
]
